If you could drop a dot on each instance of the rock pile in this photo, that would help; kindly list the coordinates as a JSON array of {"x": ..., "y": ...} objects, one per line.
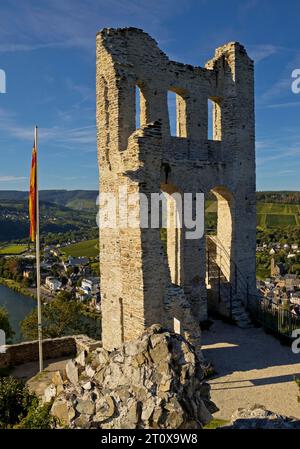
[
  {"x": 154, "y": 382},
  {"x": 258, "y": 417}
]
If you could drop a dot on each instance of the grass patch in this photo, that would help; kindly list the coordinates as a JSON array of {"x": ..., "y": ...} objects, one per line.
[
  {"x": 13, "y": 249},
  {"x": 262, "y": 273},
  {"x": 272, "y": 215},
  {"x": 215, "y": 423},
  {"x": 269, "y": 215},
  {"x": 261, "y": 220},
  {"x": 87, "y": 248},
  {"x": 95, "y": 267},
  {"x": 274, "y": 220}
]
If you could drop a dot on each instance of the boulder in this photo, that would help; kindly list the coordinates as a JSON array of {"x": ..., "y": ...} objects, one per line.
[
  {"x": 57, "y": 378},
  {"x": 62, "y": 410},
  {"x": 85, "y": 407},
  {"x": 49, "y": 394},
  {"x": 80, "y": 359},
  {"x": 72, "y": 372},
  {"x": 105, "y": 408}
]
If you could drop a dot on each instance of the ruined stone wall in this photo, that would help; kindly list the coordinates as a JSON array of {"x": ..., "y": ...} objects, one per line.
[
  {"x": 53, "y": 348},
  {"x": 135, "y": 275}
]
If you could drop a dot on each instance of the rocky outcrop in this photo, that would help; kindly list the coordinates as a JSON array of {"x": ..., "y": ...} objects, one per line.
[
  {"x": 258, "y": 417},
  {"x": 153, "y": 382}
]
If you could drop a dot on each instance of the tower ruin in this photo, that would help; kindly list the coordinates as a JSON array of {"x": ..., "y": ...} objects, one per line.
[{"x": 140, "y": 284}]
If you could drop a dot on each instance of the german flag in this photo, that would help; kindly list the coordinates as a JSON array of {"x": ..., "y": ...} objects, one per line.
[{"x": 33, "y": 194}]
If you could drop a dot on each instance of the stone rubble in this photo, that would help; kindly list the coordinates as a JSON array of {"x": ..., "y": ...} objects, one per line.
[
  {"x": 155, "y": 382},
  {"x": 258, "y": 417}
]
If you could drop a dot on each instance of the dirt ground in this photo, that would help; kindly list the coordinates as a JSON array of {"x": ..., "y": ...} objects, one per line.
[{"x": 252, "y": 368}]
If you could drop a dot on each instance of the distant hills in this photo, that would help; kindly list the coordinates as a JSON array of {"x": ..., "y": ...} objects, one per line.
[
  {"x": 73, "y": 212},
  {"x": 286, "y": 197},
  {"x": 73, "y": 199},
  {"x": 86, "y": 199}
]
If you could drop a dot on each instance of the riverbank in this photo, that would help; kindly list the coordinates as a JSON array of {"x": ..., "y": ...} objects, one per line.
[
  {"x": 31, "y": 293},
  {"x": 18, "y": 307},
  {"x": 18, "y": 288}
]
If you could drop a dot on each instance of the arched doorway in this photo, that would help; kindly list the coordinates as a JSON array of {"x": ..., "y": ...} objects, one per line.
[
  {"x": 172, "y": 225},
  {"x": 220, "y": 268}
]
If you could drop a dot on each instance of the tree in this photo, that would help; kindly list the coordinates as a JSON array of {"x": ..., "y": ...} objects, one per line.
[
  {"x": 5, "y": 324},
  {"x": 38, "y": 417},
  {"x": 64, "y": 281},
  {"x": 15, "y": 401},
  {"x": 26, "y": 282},
  {"x": 19, "y": 409},
  {"x": 64, "y": 296},
  {"x": 61, "y": 317}
]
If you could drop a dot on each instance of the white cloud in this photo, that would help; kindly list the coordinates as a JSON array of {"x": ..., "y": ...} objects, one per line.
[
  {"x": 11, "y": 178},
  {"x": 248, "y": 5},
  {"x": 262, "y": 51},
  {"x": 86, "y": 92},
  {"x": 288, "y": 104},
  {"x": 15, "y": 47},
  {"x": 74, "y": 138},
  {"x": 282, "y": 87},
  {"x": 74, "y": 23}
]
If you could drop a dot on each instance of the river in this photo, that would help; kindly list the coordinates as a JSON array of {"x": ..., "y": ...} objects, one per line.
[{"x": 18, "y": 306}]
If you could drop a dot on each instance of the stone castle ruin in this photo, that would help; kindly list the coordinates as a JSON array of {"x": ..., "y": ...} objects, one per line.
[{"x": 141, "y": 283}]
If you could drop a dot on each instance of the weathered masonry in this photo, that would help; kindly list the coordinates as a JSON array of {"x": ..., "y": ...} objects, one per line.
[{"x": 140, "y": 284}]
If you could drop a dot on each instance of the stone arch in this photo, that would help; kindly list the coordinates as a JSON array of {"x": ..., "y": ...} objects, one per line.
[
  {"x": 220, "y": 242},
  {"x": 225, "y": 220},
  {"x": 174, "y": 232},
  {"x": 220, "y": 267}
]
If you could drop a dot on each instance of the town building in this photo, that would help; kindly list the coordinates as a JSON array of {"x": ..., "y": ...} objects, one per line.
[{"x": 52, "y": 283}]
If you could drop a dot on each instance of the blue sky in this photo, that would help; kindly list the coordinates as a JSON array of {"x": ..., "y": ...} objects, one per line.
[{"x": 47, "y": 49}]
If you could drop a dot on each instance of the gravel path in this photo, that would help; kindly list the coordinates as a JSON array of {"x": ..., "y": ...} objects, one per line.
[{"x": 252, "y": 368}]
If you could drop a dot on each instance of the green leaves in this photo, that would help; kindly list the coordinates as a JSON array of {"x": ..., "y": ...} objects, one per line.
[
  {"x": 61, "y": 317},
  {"x": 5, "y": 324},
  {"x": 15, "y": 401},
  {"x": 19, "y": 409}
]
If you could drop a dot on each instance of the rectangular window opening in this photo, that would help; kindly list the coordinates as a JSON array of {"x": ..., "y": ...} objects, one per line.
[
  {"x": 177, "y": 114},
  {"x": 214, "y": 128},
  {"x": 137, "y": 107}
]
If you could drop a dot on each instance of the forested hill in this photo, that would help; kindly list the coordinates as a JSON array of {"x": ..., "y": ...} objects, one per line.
[
  {"x": 72, "y": 213},
  {"x": 285, "y": 197},
  {"x": 86, "y": 199},
  {"x": 69, "y": 213},
  {"x": 73, "y": 199}
]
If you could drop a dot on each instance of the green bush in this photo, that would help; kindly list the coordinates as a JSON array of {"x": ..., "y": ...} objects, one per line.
[
  {"x": 15, "y": 401},
  {"x": 62, "y": 316},
  {"x": 19, "y": 409},
  {"x": 38, "y": 417}
]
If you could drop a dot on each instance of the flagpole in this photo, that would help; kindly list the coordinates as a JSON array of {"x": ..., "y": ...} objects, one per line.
[{"x": 38, "y": 264}]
